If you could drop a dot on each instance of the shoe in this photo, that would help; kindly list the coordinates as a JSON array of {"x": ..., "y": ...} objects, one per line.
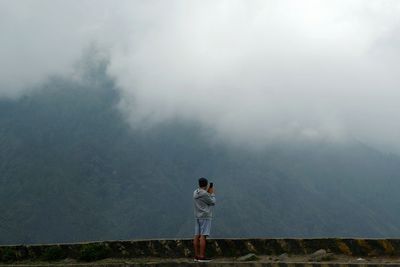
[
  {"x": 204, "y": 259},
  {"x": 196, "y": 259}
]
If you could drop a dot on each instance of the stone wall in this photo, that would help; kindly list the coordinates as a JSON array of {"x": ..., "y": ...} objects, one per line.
[{"x": 183, "y": 248}]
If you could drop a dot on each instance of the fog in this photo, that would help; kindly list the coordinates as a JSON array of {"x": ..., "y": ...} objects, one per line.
[{"x": 253, "y": 71}]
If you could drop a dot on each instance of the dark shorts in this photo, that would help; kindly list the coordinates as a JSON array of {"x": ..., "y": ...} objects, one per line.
[{"x": 202, "y": 227}]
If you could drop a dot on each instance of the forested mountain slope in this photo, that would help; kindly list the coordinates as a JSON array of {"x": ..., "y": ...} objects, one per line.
[{"x": 72, "y": 169}]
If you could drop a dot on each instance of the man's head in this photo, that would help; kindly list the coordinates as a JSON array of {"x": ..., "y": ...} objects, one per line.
[{"x": 203, "y": 182}]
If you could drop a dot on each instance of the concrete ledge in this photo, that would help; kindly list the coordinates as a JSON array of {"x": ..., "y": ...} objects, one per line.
[
  {"x": 226, "y": 264},
  {"x": 182, "y": 248}
]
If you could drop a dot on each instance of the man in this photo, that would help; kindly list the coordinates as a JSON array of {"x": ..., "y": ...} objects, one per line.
[{"x": 204, "y": 199}]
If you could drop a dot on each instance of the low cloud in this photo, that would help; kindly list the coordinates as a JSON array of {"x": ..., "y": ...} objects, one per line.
[{"x": 252, "y": 70}]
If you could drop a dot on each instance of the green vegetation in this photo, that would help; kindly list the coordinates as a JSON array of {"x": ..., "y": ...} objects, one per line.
[
  {"x": 53, "y": 253},
  {"x": 94, "y": 251},
  {"x": 7, "y": 254}
]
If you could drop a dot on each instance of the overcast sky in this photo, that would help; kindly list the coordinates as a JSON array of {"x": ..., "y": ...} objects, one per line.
[{"x": 252, "y": 70}]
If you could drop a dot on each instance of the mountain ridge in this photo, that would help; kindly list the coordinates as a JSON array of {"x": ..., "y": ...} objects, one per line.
[{"x": 72, "y": 169}]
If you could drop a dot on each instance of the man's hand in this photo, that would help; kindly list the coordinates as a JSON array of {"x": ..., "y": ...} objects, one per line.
[{"x": 210, "y": 190}]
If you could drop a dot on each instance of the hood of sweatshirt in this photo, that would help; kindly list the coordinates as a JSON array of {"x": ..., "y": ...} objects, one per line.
[{"x": 199, "y": 193}]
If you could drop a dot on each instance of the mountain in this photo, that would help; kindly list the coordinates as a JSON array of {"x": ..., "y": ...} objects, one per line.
[{"x": 72, "y": 169}]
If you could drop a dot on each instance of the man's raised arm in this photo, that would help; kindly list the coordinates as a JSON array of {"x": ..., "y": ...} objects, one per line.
[{"x": 209, "y": 198}]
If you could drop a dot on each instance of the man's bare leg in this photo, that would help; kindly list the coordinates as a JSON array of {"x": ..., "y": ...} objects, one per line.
[
  {"x": 202, "y": 246},
  {"x": 196, "y": 245}
]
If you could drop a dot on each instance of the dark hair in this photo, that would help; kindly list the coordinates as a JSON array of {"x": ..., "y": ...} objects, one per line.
[{"x": 203, "y": 182}]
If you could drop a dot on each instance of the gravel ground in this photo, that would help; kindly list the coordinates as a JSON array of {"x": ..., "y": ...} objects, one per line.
[{"x": 263, "y": 260}]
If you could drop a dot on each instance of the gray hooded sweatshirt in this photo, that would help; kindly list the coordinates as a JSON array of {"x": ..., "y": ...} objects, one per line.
[{"x": 203, "y": 201}]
